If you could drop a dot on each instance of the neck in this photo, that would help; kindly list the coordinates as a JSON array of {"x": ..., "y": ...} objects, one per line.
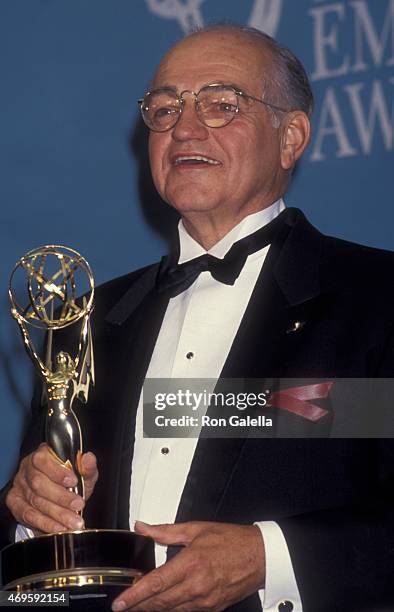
[
  {"x": 208, "y": 231},
  {"x": 209, "y": 227}
]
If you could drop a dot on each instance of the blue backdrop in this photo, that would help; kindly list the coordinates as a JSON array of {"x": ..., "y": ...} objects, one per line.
[{"x": 73, "y": 150}]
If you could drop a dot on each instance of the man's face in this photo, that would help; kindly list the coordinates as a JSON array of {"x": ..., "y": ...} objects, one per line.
[{"x": 247, "y": 175}]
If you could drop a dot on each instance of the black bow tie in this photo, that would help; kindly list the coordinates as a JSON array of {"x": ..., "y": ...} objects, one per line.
[{"x": 176, "y": 278}]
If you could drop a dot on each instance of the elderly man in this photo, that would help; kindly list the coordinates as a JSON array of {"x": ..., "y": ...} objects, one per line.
[{"x": 297, "y": 524}]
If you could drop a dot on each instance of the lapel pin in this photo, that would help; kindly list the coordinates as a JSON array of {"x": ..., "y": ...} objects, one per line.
[{"x": 295, "y": 326}]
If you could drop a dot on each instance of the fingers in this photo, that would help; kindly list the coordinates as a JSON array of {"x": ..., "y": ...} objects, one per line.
[
  {"x": 34, "y": 518},
  {"x": 221, "y": 565},
  {"x": 168, "y": 600},
  {"x": 178, "y": 533},
  {"x": 152, "y": 586},
  {"x": 40, "y": 497},
  {"x": 181, "y": 584},
  {"x": 43, "y": 461}
]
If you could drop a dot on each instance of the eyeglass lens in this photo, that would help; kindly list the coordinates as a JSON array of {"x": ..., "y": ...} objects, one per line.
[{"x": 215, "y": 106}]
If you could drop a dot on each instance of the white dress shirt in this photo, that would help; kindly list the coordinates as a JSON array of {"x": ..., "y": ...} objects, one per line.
[{"x": 194, "y": 341}]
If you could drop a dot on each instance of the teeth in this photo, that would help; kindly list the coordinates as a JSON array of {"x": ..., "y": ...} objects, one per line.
[{"x": 179, "y": 160}]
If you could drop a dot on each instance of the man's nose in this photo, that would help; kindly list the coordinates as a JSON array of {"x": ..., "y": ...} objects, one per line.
[{"x": 189, "y": 127}]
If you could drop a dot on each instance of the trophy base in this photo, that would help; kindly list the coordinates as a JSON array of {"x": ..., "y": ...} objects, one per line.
[{"x": 93, "y": 565}]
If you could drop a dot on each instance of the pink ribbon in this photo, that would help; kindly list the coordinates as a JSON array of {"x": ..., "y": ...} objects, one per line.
[{"x": 297, "y": 400}]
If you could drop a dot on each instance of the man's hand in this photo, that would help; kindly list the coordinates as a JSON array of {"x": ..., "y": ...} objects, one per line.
[
  {"x": 220, "y": 565},
  {"x": 39, "y": 498}
]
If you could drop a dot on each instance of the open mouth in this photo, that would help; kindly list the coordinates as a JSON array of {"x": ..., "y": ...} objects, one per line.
[{"x": 195, "y": 160}]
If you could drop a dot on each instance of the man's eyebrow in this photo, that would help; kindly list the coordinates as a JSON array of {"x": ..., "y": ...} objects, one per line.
[
  {"x": 223, "y": 84},
  {"x": 217, "y": 82},
  {"x": 174, "y": 89},
  {"x": 165, "y": 86},
  {"x": 234, "y": 86}
]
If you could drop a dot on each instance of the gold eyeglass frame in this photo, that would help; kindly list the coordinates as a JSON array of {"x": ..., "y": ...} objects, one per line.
[{"x": 181, "y": 101}]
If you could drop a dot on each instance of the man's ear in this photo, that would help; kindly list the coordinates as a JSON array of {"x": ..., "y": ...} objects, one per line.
[{"x": 295, "y": 135}]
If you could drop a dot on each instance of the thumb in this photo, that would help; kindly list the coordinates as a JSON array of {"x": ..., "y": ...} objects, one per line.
[
  {"x": 89, "y": 471},
  {"x": 178, "y": 533},
  {"x": 89, "y": 466}
]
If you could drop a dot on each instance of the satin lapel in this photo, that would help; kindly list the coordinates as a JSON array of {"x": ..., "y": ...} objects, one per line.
[
  {"x": 288, "y": 281},
  {"x": 286, "y": 290}
]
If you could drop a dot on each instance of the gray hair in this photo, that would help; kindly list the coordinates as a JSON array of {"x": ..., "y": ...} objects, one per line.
[{"x": 288, "y": 85}]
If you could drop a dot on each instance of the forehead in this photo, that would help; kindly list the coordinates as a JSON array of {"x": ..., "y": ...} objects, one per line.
[{"x": 214, "y": 57}]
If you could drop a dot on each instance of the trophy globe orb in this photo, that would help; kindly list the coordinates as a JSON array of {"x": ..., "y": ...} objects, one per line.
[{"x": 44, "y": 285}]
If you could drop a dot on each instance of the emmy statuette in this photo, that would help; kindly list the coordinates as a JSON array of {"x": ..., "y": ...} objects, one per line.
[{"x": 94, "y": 565}]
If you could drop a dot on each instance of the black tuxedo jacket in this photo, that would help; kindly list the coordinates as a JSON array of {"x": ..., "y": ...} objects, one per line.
[{"x": 333, "y": 498}]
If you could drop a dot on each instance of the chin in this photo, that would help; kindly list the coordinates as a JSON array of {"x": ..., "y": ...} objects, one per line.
[
  {"x": 189, "y": 202},
  {"x": 185, "y": 207}
]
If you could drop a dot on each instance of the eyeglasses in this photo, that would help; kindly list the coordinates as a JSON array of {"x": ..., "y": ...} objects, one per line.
[{"x": 216, "y": 105}]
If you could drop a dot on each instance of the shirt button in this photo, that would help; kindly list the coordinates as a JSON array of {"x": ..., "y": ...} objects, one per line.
[
  {"x": 164, "y": 451},
  {"x": 285, "y": 606},
  {"x": 189, "y": 355}
]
